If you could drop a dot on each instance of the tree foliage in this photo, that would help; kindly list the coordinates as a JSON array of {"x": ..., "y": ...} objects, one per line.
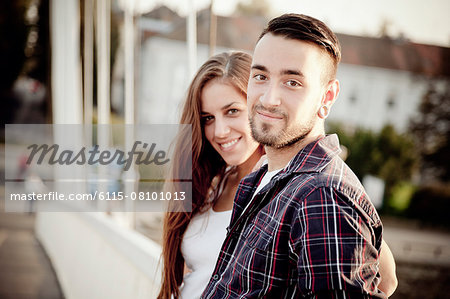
[
  {"x": 431, "y": 131},
  {"x": 429, "y": 203},
  {"x": 386, "y": 154}
]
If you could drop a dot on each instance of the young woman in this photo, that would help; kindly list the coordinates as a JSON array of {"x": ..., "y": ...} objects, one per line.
[{"x": 223, "y": 152}]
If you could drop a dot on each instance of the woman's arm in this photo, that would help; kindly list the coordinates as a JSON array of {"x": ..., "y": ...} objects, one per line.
[{"x": 389, "y": 281}]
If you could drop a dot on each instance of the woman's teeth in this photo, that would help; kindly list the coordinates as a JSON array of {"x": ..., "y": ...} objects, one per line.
[{"x": 228, "y": 144}]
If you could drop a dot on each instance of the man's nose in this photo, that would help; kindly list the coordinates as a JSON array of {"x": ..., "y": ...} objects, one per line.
[{"x": 270, "y": 96}]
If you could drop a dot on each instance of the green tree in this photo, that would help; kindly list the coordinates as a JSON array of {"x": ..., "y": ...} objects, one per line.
[
  {"x": 431, "y": 131},
  {"x": 386, "y": 154},
  {"x": 396, "y": 158}
]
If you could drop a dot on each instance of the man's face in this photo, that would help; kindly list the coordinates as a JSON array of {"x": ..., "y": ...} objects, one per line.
[{"x": 285, "y": 90}]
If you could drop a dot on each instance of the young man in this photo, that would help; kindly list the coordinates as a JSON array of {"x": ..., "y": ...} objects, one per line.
[{"x": 302, "y": 225}]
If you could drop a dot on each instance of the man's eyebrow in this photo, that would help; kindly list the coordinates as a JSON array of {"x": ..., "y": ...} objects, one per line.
[
  {"x": 292, "y": 72},
  {"x": 282, "y": 72},
  {"x": 259, "y": 67}
]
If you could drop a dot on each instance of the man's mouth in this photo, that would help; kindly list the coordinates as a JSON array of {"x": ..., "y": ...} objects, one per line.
[{"x": 268, "y": 116}]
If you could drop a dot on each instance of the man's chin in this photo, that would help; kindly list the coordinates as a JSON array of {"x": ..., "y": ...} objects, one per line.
[
  {"x": 276, "y": 139},
  {"x": 267, "y": 134},
  {"x": 266, "y": 139}
]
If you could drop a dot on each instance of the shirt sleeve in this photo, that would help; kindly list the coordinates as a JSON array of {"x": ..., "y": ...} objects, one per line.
[{"x": 333, "y": 247}]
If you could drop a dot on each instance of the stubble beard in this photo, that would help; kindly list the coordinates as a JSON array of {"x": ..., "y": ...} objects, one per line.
[{"x": 285, "y": 137}]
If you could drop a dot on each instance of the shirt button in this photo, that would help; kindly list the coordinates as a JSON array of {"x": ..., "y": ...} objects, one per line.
[{"x": 215, "y": 277}]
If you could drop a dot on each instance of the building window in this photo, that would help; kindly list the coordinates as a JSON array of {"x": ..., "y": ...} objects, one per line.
[{"x": 391, "y": 102}]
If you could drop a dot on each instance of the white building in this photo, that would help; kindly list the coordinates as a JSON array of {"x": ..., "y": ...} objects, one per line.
[{"x": 382, "y": 80}]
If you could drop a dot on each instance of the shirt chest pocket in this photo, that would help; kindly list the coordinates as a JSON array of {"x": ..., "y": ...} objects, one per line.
[
  {"x": 260, "y": 233},
  {"x": 263, "y": 258}
]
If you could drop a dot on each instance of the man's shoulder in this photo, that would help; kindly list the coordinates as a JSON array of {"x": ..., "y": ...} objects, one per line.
[
  {"x": 336, "y": 175},
  {"x": 335, "y": 181}
]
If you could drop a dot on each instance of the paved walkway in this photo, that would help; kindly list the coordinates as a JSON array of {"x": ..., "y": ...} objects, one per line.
[
  {"x": 412, "y": 243},
  {"x": 25, "y": 270}
]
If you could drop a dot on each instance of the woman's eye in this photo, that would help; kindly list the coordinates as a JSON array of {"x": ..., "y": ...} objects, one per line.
[
  {"x": 293, "y": 83},
  {"x": 232, "y": 111},
  {"x": 207, "y": 119}
]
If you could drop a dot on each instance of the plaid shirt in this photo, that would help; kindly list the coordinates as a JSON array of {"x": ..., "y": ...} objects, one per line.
[{"x": 311, "y": 232}]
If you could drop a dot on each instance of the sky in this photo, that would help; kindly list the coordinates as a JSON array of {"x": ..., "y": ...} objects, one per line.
[{"x": 418, "y": 20}]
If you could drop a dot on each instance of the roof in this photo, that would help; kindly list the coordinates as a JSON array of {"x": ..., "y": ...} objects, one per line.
[
  {"x": 232, "y": 32},
  {"x": 395, "y": 54},
  {"x": 163, "y": 13},
  {"x": 242, "y": 33}
]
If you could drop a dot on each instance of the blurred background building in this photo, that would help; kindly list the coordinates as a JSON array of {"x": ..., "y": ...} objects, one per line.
[{"x": 106, "y": 61}]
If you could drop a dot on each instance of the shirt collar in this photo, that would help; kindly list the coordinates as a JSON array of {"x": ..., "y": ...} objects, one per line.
[
  {"x": 315, "y": 156},
  {"x": 312, "y": 158}
]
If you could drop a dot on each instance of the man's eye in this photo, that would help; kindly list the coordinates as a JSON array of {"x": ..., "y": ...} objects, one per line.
[
  {"x": 259, "y": 77},
  {"x": 293, "y": 83}
]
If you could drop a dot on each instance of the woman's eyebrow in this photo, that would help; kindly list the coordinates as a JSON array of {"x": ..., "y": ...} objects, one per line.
[
  {"x": 229, "y": 105},
  {"x": 223, "y": 108}
]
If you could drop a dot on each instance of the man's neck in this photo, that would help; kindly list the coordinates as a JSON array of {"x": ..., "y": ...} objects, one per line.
[{"x": 278, "y": 158}]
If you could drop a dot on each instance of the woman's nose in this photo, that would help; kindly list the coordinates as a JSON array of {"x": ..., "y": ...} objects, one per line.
[{"x": 222, "y": 129}]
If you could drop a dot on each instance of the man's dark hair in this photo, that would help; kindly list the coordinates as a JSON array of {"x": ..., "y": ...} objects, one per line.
[{"x": 308, "y": 29}]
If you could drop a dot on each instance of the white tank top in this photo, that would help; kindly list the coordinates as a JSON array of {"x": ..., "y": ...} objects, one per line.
[{"x": 200, "y": 247}]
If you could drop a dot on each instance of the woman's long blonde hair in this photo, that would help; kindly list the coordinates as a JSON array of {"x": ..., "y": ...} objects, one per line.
[{"x": 232, "y": 68}]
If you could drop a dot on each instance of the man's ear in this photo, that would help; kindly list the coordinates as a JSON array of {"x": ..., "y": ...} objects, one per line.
[{"x": 331, "y": 93}]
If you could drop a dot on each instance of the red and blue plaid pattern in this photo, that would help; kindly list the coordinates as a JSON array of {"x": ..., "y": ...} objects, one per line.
[{"x": 312, "y": 232}]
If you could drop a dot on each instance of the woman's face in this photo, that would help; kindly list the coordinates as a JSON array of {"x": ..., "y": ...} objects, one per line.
[{"x": 225, "y": 121}]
